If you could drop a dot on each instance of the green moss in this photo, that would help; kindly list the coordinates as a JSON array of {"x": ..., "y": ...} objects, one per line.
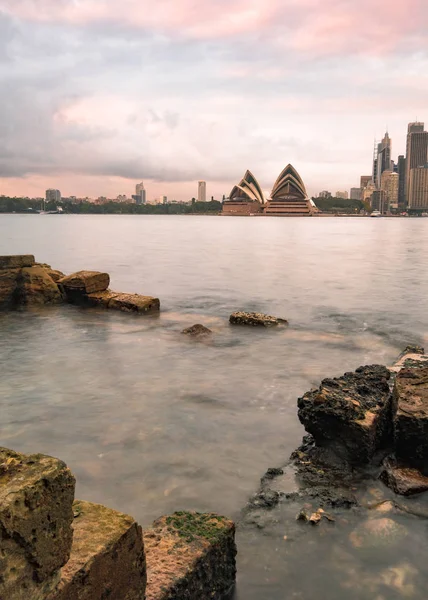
[{"x": 191, "y": 526}]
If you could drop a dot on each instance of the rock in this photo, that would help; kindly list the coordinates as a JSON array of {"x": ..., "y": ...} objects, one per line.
[
  {"x": 303, "y": 515},
  {"x": 53, "y": 273},
  {"x": 190, "y": 555},
  {"x": 107, "y": 557},
  {"x": 35, "y": 286},
  {"x": 403, "y": 481},
  {"x": 8, "y": 285},
  {"x": 350, "y": 415},
  {"x": 410, "y": 400},
  {"x": 77, "y": 285},
  {"x": 255, "y": 319},
  {"x": 197, "y": 331},
  {"x": 16, "y": 261},
  {"x": 36, "y": 497},
  {"x": 124, "y": 302},
  {"x": 377, "y": 534},
  {"x": 316, "y": 517}
]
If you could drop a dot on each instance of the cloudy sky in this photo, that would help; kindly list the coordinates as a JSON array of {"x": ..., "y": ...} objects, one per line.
[{"x": 100, "y": 94}]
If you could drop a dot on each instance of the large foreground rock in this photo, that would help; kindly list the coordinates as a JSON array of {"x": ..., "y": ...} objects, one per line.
[
  {"x": 77, "y": 285},
  {"x": 107, "y": 559},
  {"x": 35, "y": 286},
  {"x": 124, "y": 302},
  {"x": 36, "y": 497},
  {"x": 411, "y": 417},
  {"x": 8, "y": 286},
  {"x": 254, "y": 319},
  {"x": 190, "y": 556},
  {"x": 351, "y": 415}
]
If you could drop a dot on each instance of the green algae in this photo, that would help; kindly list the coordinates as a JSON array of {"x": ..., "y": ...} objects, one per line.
[{"x": 192, "y": 525}]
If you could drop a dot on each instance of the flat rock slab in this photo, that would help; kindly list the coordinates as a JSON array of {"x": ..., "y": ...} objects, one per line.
[
  {"x": 84, "y": 282},
  {"x": 107, "y": 559},
  {"x": 350, "y": 414},
  {"x": 254, "y": 319},
  {"x": 190, "y": 556},
  {"x": 16, "y": 261},
  {"x": 404, "y": 481},
  {"x": 124, "y": 302},
  {"x": 36, "y": 497},
  {"x": 410, "y": 399}
]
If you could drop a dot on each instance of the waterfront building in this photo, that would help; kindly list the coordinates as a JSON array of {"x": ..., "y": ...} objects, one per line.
[
  {"x": 202, "y": 191},
  {"x": 53, "y": 195},
  {"x": 367, "y": 192},
  {"x": 245, "y": 198},
  {"x": 390, "y": 184},
  {"x": 324, "y": 194},
  {"x": 343, "y": 195},
  {"x": 288, "y": 197},
  {"x": 163, "y": 200},
  {"x": 140, "y": 193},
  {"x": 379, "y": 201},
  {"x": 416, "y": 153},
  {"x": 418, "y": 188},
  {"x": 364, "y": 181},
  {"x": 355, "y": 193}
]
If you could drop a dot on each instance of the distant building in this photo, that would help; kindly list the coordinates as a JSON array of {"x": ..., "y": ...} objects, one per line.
[
  {"x": 416, "y": 153},
  {"x": 418, "y": 188},
  {"x": 324, "y": 194},
  {"x": 122, "y": 198},
  {"x": 383, "y": 158},
  {"x": 379, "y": 201},
  {"x": 355, "y": 193},
  {"x": 389, "y": 184},
  {"x": 364, "y": 181},
  {"x": 140, "y": 193},
  {"x": 163, "y": 200},
  {"x": 202, "y": 191},
  {"x": 343, "y": 195},
  {"x": 53, "y": 195}
]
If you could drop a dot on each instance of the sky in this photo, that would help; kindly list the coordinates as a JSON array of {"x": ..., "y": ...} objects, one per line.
[{"x": 97, "y": 95}]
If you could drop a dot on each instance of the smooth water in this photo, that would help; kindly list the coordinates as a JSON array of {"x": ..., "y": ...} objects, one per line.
[{"x": 151, "y": 422}]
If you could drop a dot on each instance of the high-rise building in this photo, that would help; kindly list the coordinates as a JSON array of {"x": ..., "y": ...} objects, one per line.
[
  {"x": 364, "y": 181},
  {"x": 202, "y": 191},
  {"x": 163, "y": 200},
  {"x": 53, "y": 195},
  {"x": 324, "y": 194},
  {"x": 355, "y": 193},
  {"x": 382, "y": 161},
  {"x": 343, "y": 195},
  {"x": 389, "y": 184},
  {"x": 401, "y": 170},
  {"x": 140, "y": 194},
  {"x": 416, "y": 153},
  {"x": 418, "y": 188},
  {"x": 379, "y": 201}
]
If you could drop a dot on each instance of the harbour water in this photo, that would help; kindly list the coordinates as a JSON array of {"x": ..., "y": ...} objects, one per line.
[{"x": 151, "y": 422}]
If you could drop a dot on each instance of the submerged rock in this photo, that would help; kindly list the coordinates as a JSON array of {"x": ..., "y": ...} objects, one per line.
[
  {"x": 377, "y": 534},
  {"x": 403, "y": 481},
  {"x": 350, "y": 415},
  {"x": 190, "y": 555},
  {"x": 36, "y": 497},
  {"x": 411, "y": 417},
  {"x": 124, "y": 302},
  {"x": 107, "y": 557},
  {"x": 255, "y": 319},
  {"x": 197, "y": 330}
]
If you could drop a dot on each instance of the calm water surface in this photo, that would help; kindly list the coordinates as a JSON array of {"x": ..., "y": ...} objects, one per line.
[{"x": 152, "y": 422}]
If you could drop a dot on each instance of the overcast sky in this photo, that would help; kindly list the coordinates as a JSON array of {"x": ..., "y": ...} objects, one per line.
[{"x": 97, "y": 95}]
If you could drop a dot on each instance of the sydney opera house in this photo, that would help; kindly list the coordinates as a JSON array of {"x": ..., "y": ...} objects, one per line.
[{"x": 288, "y": 197}]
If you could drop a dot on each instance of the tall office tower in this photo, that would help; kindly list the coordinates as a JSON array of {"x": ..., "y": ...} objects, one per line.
[
  {"x": 401, "y": 170},
  {"x": 140, "y": 193},
  {"x": 418, "y": 188},
  {"x": 53, "y": 195},
  {"x": 202, "y": 191},
  {"x": 389, "y": 184},
  {"x": 416, "y": 153},
  {"x": 383, "y": 159},
  {"x": 355, "y": 194},
  {"x": 364, "y": 181}
]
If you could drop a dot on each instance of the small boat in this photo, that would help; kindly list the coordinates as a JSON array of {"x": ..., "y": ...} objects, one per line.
[{"x": 376, "y": 213}]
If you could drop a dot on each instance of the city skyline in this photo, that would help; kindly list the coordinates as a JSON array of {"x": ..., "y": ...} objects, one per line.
[{"x": 100, "y": 97}]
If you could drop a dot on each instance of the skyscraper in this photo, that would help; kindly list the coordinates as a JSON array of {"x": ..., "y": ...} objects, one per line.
[
  {"x": 383, "y": 158},
  {"x": 355, "y": 194},
  {"x": 140, "y": 193},
  {"x": 53, "y": 195},
  {"x": 401, "y": 170},
  {"x": 416, "y": 153},
  {"x": 418, "y": 188},
  {"x": 202, "y": 191},
  {"x": 389, "y": 184}
]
